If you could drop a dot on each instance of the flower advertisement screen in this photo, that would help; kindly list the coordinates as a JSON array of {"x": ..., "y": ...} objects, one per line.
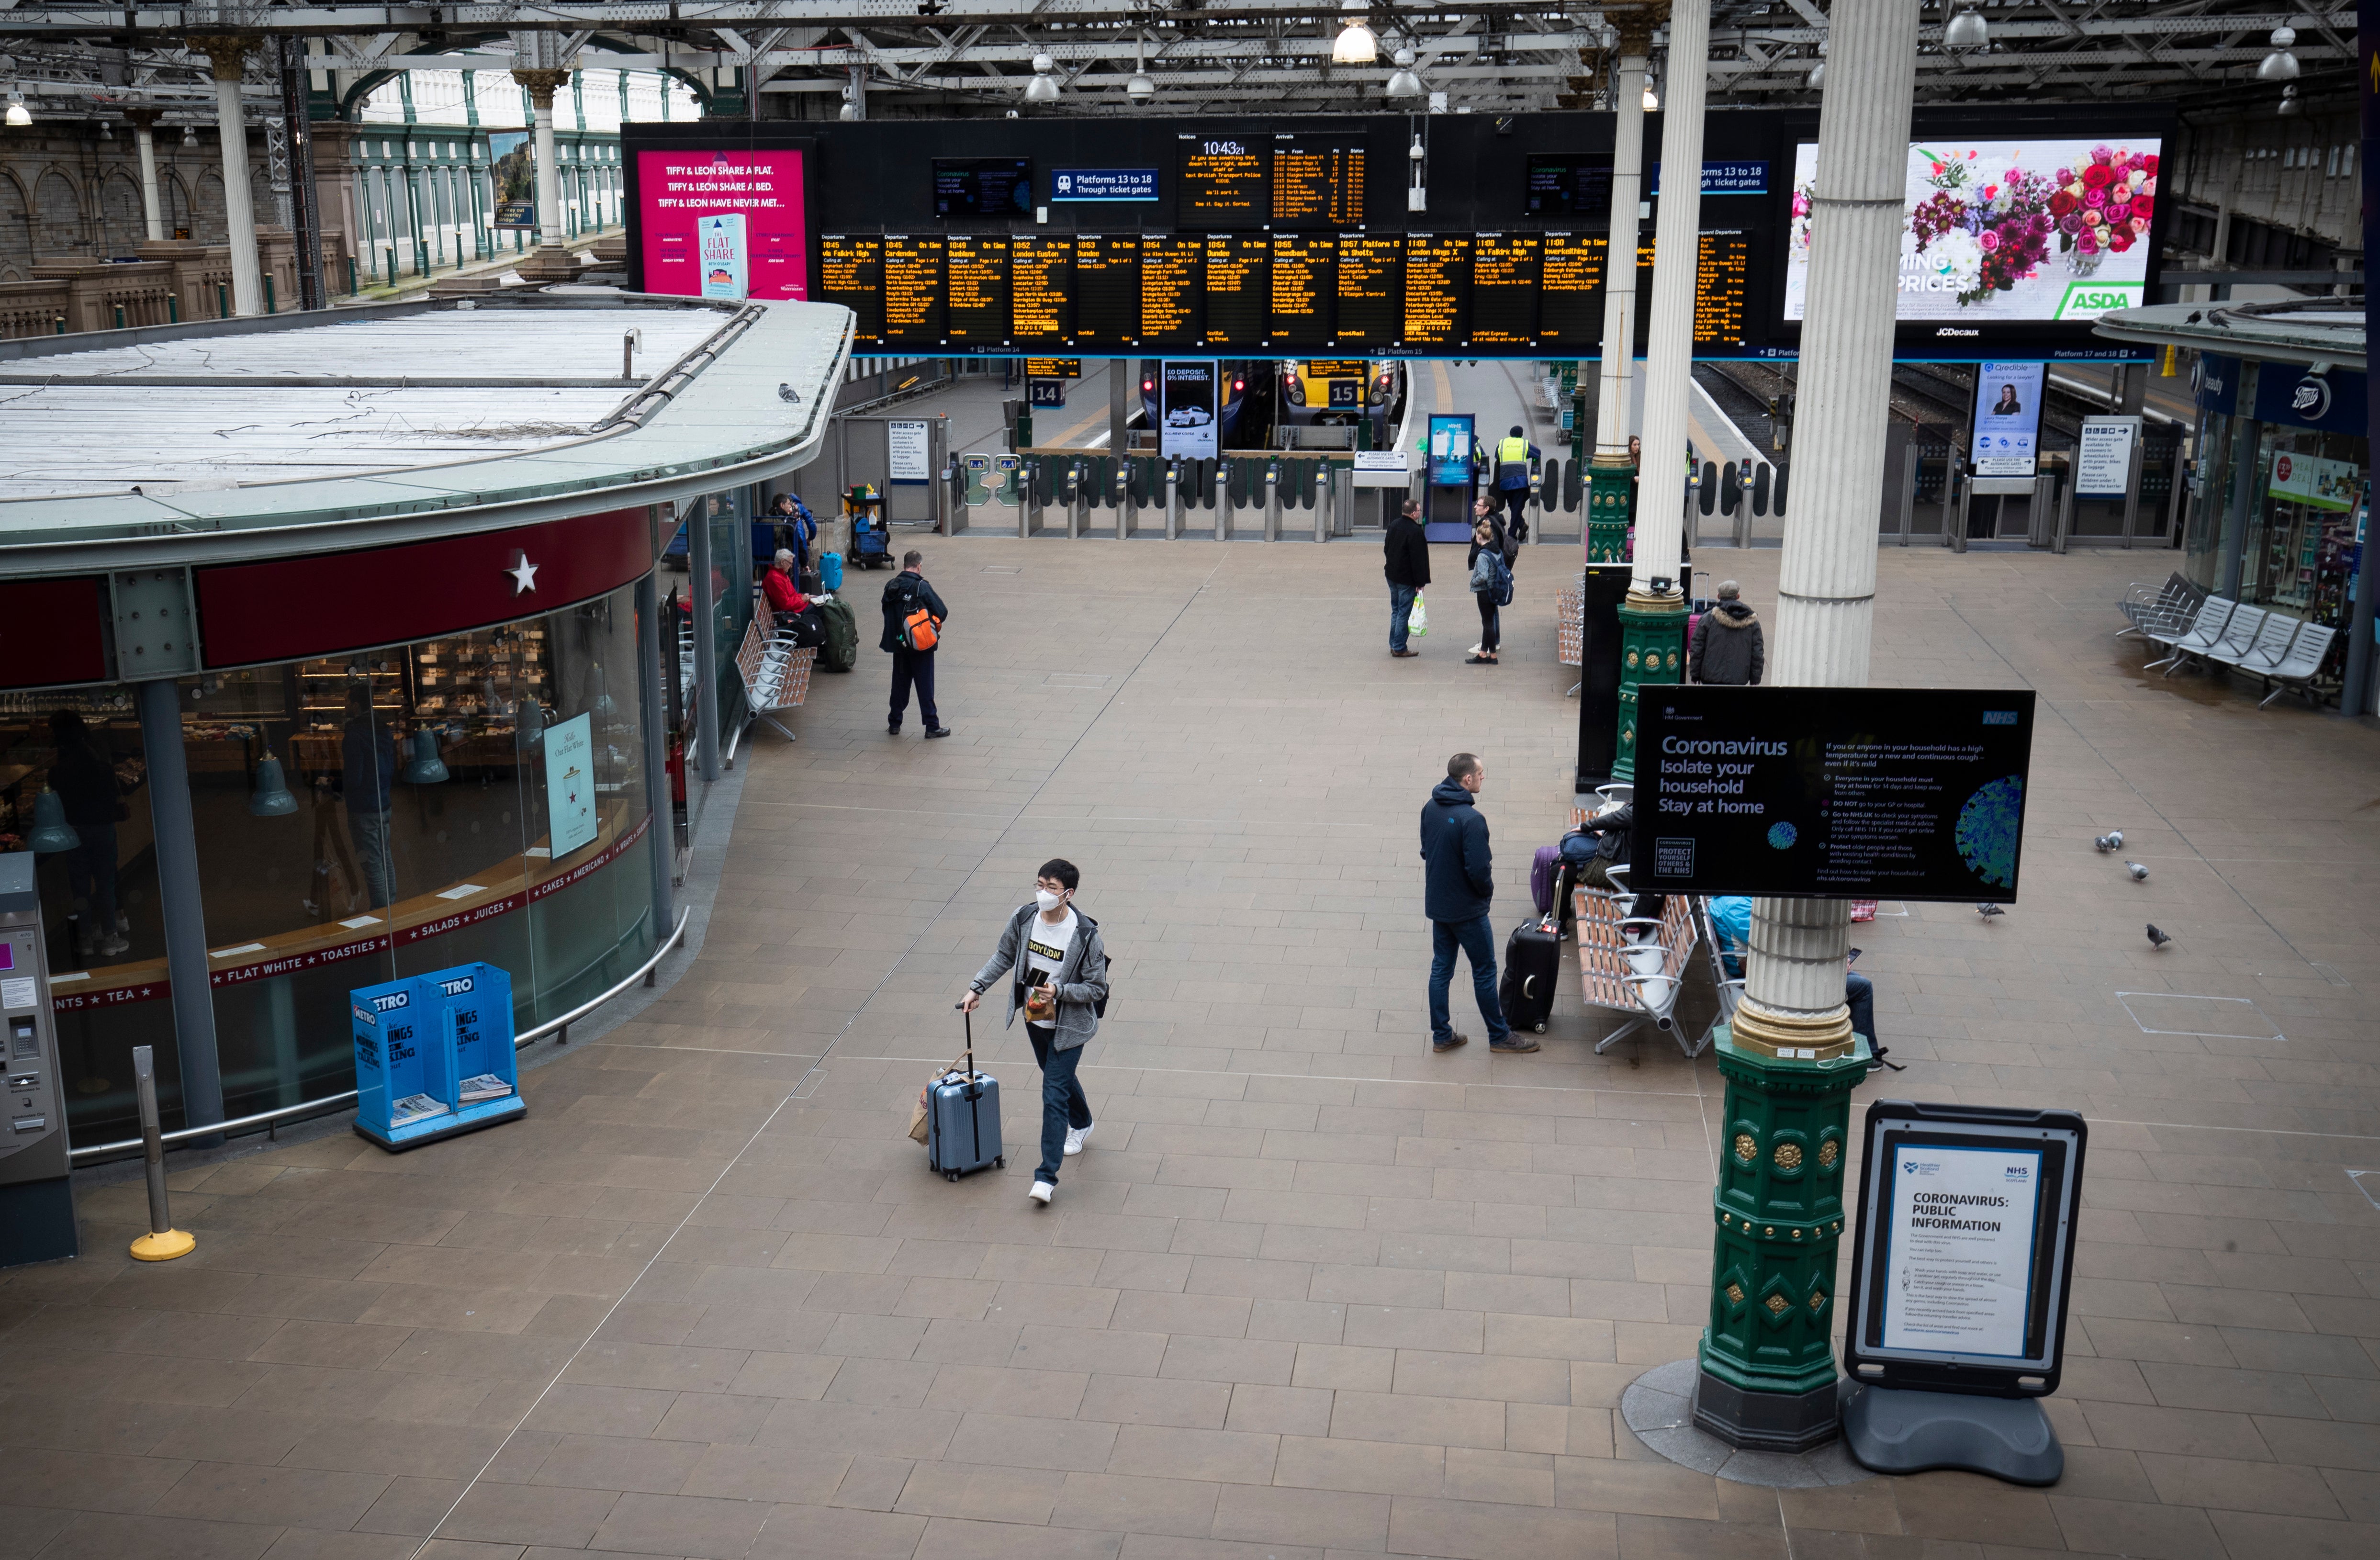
[
  {"x": 722, "y": 224},
  {"x": 2009, "y": 230}
]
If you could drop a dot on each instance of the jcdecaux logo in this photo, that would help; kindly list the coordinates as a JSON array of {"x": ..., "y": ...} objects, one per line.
[{"x": 2088, "y": 300}]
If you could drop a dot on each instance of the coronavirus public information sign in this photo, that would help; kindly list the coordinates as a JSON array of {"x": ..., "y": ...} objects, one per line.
[
  {"x": 1831, "y": 792},
  {"x": 1964, "y": 1245}
]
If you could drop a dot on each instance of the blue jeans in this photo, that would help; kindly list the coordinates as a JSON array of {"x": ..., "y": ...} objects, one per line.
[
  {"x": 1063, "y": 1103},
  {"x": 1478, "y": 940},
  {"x": 1860, "y": 992},
  {"x": 1401, "y": 601}
]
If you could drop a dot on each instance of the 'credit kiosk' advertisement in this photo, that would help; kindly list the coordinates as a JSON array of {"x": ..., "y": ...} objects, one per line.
[
  {"x": 722, "y": 224},
  {"x": 2007, "y": 420}
]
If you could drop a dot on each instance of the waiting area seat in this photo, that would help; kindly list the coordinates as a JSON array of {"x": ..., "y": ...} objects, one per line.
[
  {"x": 2170, "y": 606},
  {"x": 1634, "y": 963},
  {"x": 2202, "y": 633},
  {"x": 776, "y": 671}
]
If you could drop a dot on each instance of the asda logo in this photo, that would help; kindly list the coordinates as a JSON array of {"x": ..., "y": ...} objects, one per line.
[{"x": 2088, "y": 300}]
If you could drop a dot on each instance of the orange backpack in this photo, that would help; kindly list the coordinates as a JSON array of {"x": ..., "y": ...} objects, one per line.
[{"x": 918, "y": 630}]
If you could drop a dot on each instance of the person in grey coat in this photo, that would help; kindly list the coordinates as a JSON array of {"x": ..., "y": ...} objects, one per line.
[{"x": 1060, "y": 982}]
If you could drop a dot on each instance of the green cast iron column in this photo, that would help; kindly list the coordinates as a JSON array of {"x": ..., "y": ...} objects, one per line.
[
  {"x": 1652, "y": 650},
  {"x": 1611, "y": 480},
  {"x": 1768, "y": 1356}
]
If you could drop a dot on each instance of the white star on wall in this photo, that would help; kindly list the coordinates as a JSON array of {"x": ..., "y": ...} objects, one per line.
[{"x": 524, "y": 575}]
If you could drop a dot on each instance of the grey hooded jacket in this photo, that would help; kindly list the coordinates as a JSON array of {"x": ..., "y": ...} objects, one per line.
[{"x": 1082, "y": 982}]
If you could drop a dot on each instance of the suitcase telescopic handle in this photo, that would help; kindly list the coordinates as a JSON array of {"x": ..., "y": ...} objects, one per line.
[{"x": 969, "y": 1019}]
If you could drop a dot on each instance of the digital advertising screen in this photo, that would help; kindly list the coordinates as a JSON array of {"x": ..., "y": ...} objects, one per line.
[
  {"x": 2034, "y": 231},
  {"x": 1570, "y": 186},
  {"x": 762, "y": 252},
  {"x": 2008, "y": 419},
  {"x": 983, "y": 186}
]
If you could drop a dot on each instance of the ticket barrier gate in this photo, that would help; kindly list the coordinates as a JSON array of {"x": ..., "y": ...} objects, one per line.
[{"x": 37, "y": 1217}]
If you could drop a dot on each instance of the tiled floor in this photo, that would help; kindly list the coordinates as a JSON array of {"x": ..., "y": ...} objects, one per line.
[{"x": 1312, "y": 1291}]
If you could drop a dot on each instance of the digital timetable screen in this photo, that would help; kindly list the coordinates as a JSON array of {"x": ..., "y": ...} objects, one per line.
[{"x": 1413, "y": 294}]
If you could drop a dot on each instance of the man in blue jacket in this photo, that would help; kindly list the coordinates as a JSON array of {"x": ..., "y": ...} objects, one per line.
[{"x": 1459, "y": 886}]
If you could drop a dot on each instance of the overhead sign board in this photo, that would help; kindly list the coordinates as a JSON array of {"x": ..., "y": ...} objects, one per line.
[
  {"x": 1102, "y": 184},
  {"x": 1831, "y": 792},
  {"x": 1053, "y": 368},
  {"x": 1964, "y": 1247},
  {"x": 1383, "y": 468}
]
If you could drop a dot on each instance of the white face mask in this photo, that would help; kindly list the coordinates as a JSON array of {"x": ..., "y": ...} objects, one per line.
[{"x": 1047, "y": 900}]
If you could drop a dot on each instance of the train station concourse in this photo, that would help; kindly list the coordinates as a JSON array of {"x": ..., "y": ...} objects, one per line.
[{"x": 716, "y": 842}]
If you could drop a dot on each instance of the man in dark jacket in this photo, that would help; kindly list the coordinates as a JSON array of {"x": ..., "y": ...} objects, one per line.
[
  {"x": 1407, "y": 549},
  {"x": 1459, "y": 885},
  {"x": 903, "y": 596},
  {"x": 1516, "y": 460},
  {"x": 1726, "y": 647}
]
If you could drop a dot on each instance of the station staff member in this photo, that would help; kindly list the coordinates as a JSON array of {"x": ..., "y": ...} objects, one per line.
[{"x": 1515, "y": 457}]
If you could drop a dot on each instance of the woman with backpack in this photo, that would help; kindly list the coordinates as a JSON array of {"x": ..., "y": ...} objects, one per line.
[{"x": 1491, "y": 578}]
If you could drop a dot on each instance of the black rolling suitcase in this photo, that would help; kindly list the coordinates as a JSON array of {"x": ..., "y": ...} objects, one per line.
[
  {"x": 963, "y": 1119},
  {"x": 1532, "y": 964}
]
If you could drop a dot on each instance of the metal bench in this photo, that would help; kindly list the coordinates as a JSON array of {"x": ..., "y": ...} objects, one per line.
[
  {"x": 2170, "y": 606},
  {"x": 2204, "y": 628},
  {"x": 1634, "y": 965},
  {"x": 1729, "y": 987},
  {"x": 776, "y": 673},
  {"x": 2270, "y": 647},
  {"x": 2299, "y": 668},
  {"x": 2238, "y": 638}
]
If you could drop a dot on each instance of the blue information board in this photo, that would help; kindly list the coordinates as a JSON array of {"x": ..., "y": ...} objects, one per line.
[{"x": 434, "y": 1055}]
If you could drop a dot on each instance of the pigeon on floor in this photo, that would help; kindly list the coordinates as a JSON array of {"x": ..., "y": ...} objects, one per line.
[
  {"x": 1989, "y": 908},
  {"x": 2113, "y": 840},
  {"x": 2157, "y": 939},
  {"x": 2140, "y": 873}
]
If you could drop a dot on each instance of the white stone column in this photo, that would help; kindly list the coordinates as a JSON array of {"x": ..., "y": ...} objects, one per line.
[
  {"x": 1670, "y": 351},
  {"x": 229, "y": 57},
  {"x": 552, "y": 260},
  {"x": 144, "y": 138},
  {"x": 1636, "y": 29},
  {"x": 1794, "y": 993}
]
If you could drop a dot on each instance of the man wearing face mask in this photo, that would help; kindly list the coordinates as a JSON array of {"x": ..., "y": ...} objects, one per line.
[{"x": 1060, "y": 982}]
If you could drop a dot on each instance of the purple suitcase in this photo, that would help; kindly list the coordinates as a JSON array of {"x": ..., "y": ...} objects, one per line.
[{"x": 1542, "y": 874}]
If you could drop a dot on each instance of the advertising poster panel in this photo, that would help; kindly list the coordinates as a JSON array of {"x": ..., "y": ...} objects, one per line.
[
  {"x": 723, "y": 224},
  {"x": 2007, "y": 420},
  {"x": 2009, "y": 230},
  {"x": 570, "y": 784},
  {"x": 1833, "y": 792},
  {"x": 1187, "y": 423},
  {"x": 513, "y": 172}
]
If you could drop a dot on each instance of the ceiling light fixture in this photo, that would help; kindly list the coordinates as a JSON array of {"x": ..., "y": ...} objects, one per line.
[
  {"x": 1819, "y": 71},
  {"x": 1652, "y": 103},
  {"x": 2288, "y": 99},
  {"x": 1967, "y": 31},
  {"x": 1356, "y": 43},
  {"x": 2278, "y": 65},
  {"x": 18, "y": 114},
  {"x": 1402, "y": 82},
  {"x": 1043, "y": 88}
]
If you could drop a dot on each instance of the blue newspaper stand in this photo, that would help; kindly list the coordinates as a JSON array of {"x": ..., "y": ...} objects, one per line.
[{"x": 434, "y": 1055}]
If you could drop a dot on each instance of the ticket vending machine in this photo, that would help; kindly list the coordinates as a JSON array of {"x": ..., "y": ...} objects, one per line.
[{"x": 37, "y": 1220}]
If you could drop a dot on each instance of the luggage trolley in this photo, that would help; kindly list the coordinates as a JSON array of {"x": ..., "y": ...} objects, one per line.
[{"x": 871, "y": 538}]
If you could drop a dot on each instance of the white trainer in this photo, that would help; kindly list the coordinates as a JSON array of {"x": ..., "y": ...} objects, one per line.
[
  {"x": 1076, "y": 1136},
  {"x": 1041, "y": 1192}
]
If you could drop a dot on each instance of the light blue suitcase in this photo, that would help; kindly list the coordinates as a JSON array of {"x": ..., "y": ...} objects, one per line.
[{"x": 963, "y": 1119}]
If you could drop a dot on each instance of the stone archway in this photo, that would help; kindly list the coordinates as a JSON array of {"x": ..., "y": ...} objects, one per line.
[
  {"x": 57, "y": 217},
  {"x": 15, "y": 230},
  {"x": 122, "y": 223},
  {"x": 208, "y": 224}
]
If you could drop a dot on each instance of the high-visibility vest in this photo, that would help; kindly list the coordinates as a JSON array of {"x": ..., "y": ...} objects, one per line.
[{"x": 1512, "y": 457}]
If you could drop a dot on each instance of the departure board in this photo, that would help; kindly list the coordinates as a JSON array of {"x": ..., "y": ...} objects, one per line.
[
  {"x": 1371, "y": 291},
  {"x": 1504, "y": 289},
  {"x": 1107, "y": 289},
  {"x": 913, "y": 291},
  {"x": 978, "y": 291},
  {"x": 1238, "y": 290},
  {"x": 1570, "y": 290},
  {"x": 1171, "y": 268},
  {"x": 1720, "y": 277},
  {"x": 1222, "y": 182},
  {"x": 1437, "y": 290},
  {"x": 1042, "y": 290},
  {"x": 1302, "y": 285},
  {"x": 850, "y": 272},
  {"x": 1316, "y": 185}
]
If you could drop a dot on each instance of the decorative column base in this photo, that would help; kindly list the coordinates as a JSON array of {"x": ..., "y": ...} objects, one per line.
[
  {"x": 1609, "y": 507},
  {"x": 1767, "y": 1381},
  {"x": 1652, "y": 650}
]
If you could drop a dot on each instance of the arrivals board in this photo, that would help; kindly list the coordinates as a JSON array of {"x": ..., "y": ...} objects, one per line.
[{"x": 1316, "y": 185}]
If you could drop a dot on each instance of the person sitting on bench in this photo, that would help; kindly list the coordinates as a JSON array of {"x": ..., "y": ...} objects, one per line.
[{"x": 1730, "y": 919}]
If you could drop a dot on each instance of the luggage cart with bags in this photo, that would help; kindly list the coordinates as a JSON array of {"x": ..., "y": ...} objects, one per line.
[{"x": 871, "y": 537}]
